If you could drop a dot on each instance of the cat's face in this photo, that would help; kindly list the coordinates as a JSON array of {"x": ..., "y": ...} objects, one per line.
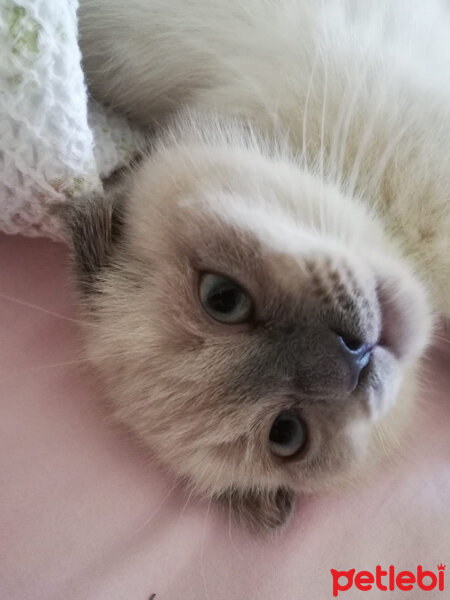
[{"x": 252, "y": 326}]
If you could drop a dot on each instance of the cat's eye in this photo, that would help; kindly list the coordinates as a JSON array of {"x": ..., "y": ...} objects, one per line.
[
  {"x": 287, "y": 435},
  {"x": 224, "y": 300}
]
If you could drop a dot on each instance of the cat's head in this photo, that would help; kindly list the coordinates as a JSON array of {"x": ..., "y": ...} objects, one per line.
[{"x": 253, "y": 325}]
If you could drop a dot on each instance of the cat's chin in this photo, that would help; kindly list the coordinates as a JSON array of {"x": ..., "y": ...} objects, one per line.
[{"x": 406, "y": 318}]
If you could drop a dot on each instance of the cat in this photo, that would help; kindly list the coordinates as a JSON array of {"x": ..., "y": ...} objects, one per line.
[{"x": 263, "y": 284}]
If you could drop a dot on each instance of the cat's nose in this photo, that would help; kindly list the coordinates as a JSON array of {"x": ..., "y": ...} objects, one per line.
[
  {"x": 356, "y": 354},
  {"x": 327, "y": 363}
]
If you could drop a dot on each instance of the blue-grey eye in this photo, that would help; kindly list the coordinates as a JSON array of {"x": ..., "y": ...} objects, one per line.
[
  {"x": 287, "y": 435},
  {"x": 224, "y": 300}
]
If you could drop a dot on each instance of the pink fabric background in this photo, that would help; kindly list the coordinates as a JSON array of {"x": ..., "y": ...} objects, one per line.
[{"x": 85, "y": 516}]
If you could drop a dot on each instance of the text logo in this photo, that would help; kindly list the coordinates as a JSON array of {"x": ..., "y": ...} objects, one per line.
[{"x": 388, "y": 580}]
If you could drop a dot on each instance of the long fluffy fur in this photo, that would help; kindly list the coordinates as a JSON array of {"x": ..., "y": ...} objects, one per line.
[
  {"x": 362, "y": 89},
  {"x": 309, "y": 155}
]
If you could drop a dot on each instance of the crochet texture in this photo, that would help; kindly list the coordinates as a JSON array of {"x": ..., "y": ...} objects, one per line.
[{"x": 55, "y": 144}]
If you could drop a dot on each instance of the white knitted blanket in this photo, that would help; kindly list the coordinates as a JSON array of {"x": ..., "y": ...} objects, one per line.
[{"x": 55, "y": 145}]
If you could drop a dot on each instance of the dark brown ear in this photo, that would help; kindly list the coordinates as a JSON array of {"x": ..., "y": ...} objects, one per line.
[
  {"x": 262, "y": 512},
  {"x": 94, "y": 226}
]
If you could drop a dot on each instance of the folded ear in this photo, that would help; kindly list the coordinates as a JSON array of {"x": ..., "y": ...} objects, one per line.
[
  {"x": 262, "y": 511},
  {"x": 94, "y": 225}
]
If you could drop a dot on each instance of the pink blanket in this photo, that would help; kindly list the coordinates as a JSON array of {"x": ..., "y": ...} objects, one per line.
[{"x": 84, "y": 515}]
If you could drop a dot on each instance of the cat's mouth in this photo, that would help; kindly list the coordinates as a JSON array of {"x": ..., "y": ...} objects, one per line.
[
  {"x": 405, "y": 321},
  {"x": 364, "y": 375}
]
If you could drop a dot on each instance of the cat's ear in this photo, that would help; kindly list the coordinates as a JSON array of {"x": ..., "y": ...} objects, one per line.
[
  {"x": 94, "y": 227},
  {"x": 262, "y": 512}
]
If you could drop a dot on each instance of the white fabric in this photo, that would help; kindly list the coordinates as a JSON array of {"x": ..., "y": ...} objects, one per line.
[{"x": 54, "y": 144}]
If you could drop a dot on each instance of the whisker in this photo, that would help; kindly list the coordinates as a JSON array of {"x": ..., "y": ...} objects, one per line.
[
  {"x": 362, "y": 81},
  {"x": 65, "y": 363},
  {"x": 364, "y": 141},
  {"x": 157, "y": 509},
  {"x": 44, "y": 310},
  {"x": 176, "y": 528},
  {"x": 238, "y": 552},
  {"x": 339, "y": 122},
  {"x": 322, "y": 142},
  {"x": 202, "y": 545},
  {"x": 202, "y": 550},
  {"x": 385, "y": 157},
  {"x": 306, "y": 107},
  {"x": 55, "y": 314}
]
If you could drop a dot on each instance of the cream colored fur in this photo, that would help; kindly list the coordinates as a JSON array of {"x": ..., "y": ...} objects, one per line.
[
  {"x": 362, "y": 88},
  {"x": 309, "y": 158}
]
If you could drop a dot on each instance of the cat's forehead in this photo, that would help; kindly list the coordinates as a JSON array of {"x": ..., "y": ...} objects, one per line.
[
  {"x": 276, "y": 273},
  {"x": 273, "y": 246},
  {"x": 273, "y": 253},
  {"x": 244, "y": 201}
]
